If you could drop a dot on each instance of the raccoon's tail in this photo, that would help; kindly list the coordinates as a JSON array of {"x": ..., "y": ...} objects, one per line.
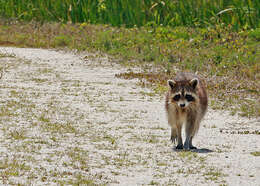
[{"x": 174, "y": 135}]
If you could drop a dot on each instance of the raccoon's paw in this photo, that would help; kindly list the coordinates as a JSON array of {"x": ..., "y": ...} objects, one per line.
[
  {"x": 173, "y": 139},
  {"x": 188, "y": 146},
  {"x": 192, "y": 147},
  {"x": 179, "y": 146}
]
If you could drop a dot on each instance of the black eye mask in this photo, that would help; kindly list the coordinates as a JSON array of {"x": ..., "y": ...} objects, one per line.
[
  {"x": 177, "y": 97},
  {"x": 189, "y": 97}
]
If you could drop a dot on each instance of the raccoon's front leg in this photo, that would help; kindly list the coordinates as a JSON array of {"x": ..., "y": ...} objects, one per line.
[
  {"x": 176, "y": 134},
  {"x": 189, "y": 145},
  {"x": 190, "y": 130},
  {"x": 173, "y": 135},
  {"x": 179, "y": 139}
]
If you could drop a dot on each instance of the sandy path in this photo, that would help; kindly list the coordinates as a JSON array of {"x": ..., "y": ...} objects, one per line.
[{"x": 66, "y": 119}]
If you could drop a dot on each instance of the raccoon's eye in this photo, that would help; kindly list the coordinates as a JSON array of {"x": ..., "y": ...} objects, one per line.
[
  {"x": 177, "y": 97},
  {"x": 189, "y": 97}
]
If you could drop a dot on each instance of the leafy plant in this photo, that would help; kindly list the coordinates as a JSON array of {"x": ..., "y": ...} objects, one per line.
[{"x": 242, "y": 14}]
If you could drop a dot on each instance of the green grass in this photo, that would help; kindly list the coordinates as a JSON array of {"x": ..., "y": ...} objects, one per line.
[
  {"x": 240, "y": 14},
  {"x": 213, "y": 174},
  {"x": 256, "y": 153},
  {"x": 18, "y": 134},
  {"x": 12, "y": 167}
]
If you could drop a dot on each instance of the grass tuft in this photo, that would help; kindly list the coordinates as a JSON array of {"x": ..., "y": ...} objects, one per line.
[{"x": 256, "y": 153}]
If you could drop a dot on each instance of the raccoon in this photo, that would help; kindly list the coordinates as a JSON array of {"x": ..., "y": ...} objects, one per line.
[{"x": 186, "y": 104}]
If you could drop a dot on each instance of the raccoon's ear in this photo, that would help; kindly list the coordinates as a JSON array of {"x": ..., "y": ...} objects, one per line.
[
  {"x": 194, "y": 82},
  {"x": 171, "y": 83}
]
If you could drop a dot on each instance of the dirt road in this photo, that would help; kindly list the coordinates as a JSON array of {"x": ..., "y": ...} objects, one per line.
[{"x": 66, "y": 119}]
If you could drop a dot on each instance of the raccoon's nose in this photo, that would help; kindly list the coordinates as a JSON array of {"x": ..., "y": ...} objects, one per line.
[{"x": 182, "y": 105}]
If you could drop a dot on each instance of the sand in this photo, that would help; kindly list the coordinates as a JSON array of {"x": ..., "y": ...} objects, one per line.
[{"x": 66, "y": 119}]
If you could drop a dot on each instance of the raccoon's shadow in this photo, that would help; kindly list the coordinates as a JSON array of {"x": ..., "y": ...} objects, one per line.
[{"x": 202, "y": 150}]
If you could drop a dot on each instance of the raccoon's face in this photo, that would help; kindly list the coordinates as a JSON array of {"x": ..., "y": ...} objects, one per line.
[{"x": 183, "y": 93}]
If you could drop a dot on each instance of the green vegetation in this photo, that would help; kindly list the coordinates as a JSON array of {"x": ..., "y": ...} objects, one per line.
[
  {"x": 256, "y": 153},
  {"x": 228, "y": 60},
  {"x": 238, "y": 13},
  {"x": 213, "y": 174}
]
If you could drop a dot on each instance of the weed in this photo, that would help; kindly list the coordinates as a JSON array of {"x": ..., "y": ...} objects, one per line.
[
  {"x": 18, "y": 134},
  {"x": 189, "y": 155},
  {"x": 61, "y": 41},
  {"x": 256, "y": 153},
  {"x": 180, "y": 171},
  {"x": 44, "y": 119},
  {"x": 56, "y": 127},
  {"x": 153, "y": 183},
  {"x": 39, "y": 80},
  {"x": 213, "y": 174},
  {"x": 12, "y": 167},
  {"x": 45, "y": 70},
  {"x": 79, "y": 155},
  {"x": 78, "y": 180},
  {"x": 152, "y": 139},
  {"x": 255, "y": 34},
  {"x": 214, "y": 126},
  {"x": 3, "y": 55},
  {"x": 111, "y": 139}
]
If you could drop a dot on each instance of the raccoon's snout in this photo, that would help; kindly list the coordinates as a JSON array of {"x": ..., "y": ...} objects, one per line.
[{"x": 182, "y": 105}]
